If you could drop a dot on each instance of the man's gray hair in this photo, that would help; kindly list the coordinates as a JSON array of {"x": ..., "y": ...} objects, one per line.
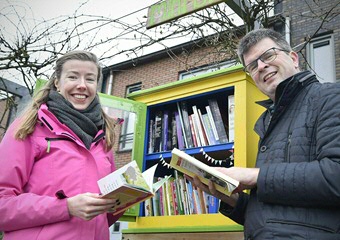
[{"x": 255, "y": 36}]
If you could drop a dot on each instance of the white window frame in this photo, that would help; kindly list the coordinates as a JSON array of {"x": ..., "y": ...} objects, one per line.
[
  {"x": 206, "y": 69},
  {"x": 326, "y": 69},
  {"x": 128, "y": 126}
]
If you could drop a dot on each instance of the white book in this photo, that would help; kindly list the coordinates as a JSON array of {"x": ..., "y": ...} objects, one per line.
[
  {"x": 212, "y": 122},
  {"x": 193, "y": 167},
  {"x": 231, "y": 116}
]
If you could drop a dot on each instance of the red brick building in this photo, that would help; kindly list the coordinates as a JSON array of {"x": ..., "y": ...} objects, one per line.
[{"x": 298, "y": 20}]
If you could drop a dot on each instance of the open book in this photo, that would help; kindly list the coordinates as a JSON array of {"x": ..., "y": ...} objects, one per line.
[
  {"x": 193, "y": 167},
  {"x": 129, "y": 186}
]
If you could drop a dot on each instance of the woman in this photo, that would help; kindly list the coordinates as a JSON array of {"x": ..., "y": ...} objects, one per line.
[{"x": 52, "y": 157}]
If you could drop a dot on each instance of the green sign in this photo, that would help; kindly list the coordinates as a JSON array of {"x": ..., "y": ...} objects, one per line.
[{"x": 171, "y": 9}]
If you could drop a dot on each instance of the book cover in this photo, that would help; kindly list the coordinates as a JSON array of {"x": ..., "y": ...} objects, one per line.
[
  {"x": 180, "y": 139},
  {"x": 174, "y": 137},
  {"x": 191, "y": 202},
  {"x": 169, "y": 203},
  {"x": 184, "y": 194},
  {"x": 156, "y": 204},
  {"x": 197, "y": 126},
  {"x": 179, "y": 193},
  {"x": 151, "y": 136},
  {"x": 231, "y": 115},
  {"x": 165, "y": 131},
  {"x": 185, "y": 117},
  {"x": 215, "y": 110},
  {"x": 195, "y": 129},
  {"x": 193, "y": 167},
  {"x": 212, "y": 123},
  {"x": 202, "y": 126},
  {"x": 208, "y": 129},
  {"x": 158, "y": 131},
  {"x": 129, "y": 186}
]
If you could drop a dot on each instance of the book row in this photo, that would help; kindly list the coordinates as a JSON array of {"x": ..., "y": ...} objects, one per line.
[
  {"x": 177, "y": 196},
  {"x": 190, "y": 125}
]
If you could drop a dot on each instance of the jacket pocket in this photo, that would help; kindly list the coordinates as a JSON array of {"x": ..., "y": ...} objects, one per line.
[{"x": 301, "y": 225}]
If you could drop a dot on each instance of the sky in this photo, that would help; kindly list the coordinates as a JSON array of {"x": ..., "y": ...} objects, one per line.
[
  {"x": 40, "y": 10},
  {"x": 128, "y": 11}
]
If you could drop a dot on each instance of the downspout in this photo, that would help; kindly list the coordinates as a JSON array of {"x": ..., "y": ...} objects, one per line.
[
  {"x": 287, "y": 29},
  {"x": 109, "y": 85}
]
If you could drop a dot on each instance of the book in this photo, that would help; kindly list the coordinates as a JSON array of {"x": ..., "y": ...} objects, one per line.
[
  {"x": 165, "y": 131},
  {"x": 212, "y": 123},
  {"x": 180, "y": 138},
  {"x": 198, "y": 126},
  {"x": 208, "y": 129},
  {"x": 193, "y": 167},
  {"x": 158, "y": 132},
  {"x": 231, "y": 116},
  {"x": 129, "y": 186},
  {"x": 186, "y": 125},
  {"x": 151, "y": 136},
  {"x": 192, "y": 129},
  {"x": 174, "y": 137},
  {"x": 215, "y": 111}
]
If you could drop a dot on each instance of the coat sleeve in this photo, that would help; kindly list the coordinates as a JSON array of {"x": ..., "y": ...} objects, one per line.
[
  {"x": 20, "y": 209},
  {"x": 237, "y": 213},
  {"x": 313, "y": 182},
  {"x": 110, "y": 217}
]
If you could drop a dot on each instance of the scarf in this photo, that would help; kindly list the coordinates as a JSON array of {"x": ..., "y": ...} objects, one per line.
[{"x": 84, "y": 123}]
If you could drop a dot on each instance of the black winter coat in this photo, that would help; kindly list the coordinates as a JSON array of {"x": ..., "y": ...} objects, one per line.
[{"x": 298, "y": 189}]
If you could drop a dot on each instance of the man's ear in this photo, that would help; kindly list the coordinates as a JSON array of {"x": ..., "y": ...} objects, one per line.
[{"x": 295, "y": 58}]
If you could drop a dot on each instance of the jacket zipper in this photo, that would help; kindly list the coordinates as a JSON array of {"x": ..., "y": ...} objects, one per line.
[
  {"x": 287, "y": 152},
  {"x": 49, "y": 140}
]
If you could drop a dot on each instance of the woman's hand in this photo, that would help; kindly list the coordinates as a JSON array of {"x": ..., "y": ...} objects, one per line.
[{"x": 89, "y": 205}]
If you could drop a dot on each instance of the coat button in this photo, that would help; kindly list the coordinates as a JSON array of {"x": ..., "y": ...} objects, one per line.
[{"x": 263, "y": 148}]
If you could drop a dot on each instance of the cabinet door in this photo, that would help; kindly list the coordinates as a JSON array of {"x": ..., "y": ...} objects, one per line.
[{"x": 134, "y": 115}]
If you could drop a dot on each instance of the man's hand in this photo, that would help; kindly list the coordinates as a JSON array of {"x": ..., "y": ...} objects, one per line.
[
  {"x": 210, "y": 189},
  {"x": 246, "y": 176},
  {"x": 88, "y": 205}
]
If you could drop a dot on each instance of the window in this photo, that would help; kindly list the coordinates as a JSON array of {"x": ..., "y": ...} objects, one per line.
[
  {"x": 321, "y": 58},
  {"x": 127, "y": 131},
  {"x": 205, "y": 69}
]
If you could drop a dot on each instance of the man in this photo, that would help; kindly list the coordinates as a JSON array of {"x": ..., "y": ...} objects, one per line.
[{"x": 295, "y": 186}]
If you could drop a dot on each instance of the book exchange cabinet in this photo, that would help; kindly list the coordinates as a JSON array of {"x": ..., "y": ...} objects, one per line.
[{"x": 164, "y": 118}]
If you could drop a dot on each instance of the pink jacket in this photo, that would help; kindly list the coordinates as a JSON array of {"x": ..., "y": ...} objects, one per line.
[{"x": 33, "y": 171}]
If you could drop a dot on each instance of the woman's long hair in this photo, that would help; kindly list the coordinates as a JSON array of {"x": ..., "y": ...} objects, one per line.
[{"x": 29, "y": 117}]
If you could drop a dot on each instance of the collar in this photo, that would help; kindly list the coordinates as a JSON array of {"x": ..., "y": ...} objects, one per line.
[
  {"x": 54, "y": 125},
  {"x": 289, "y": 88}
]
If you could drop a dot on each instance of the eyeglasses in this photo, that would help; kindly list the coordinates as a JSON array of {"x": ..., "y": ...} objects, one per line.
[{"x": 266, "y": 57}]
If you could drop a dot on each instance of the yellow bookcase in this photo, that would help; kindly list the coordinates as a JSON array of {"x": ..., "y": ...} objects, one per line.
[{"x": 226, "y": 81}]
